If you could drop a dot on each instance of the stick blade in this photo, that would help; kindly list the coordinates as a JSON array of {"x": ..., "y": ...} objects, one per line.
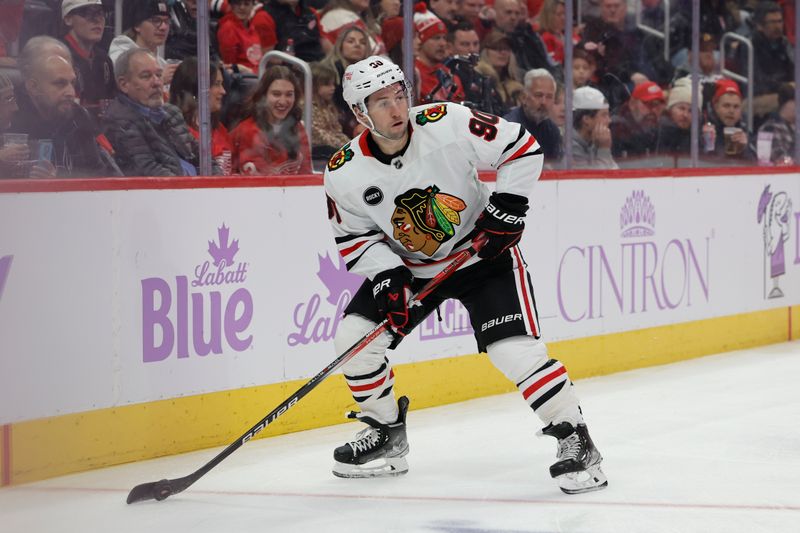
[{"x": 157, "y": 490}]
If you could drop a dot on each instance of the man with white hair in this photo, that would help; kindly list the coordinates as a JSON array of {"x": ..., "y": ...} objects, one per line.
[
  {"x": 534, "y": 113},
  {"x": 591, "y": 144},
  {"x": 403, "y": 199}
]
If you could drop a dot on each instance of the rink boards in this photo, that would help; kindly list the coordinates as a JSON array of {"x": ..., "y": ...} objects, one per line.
[{"x": 146, "y": 322}]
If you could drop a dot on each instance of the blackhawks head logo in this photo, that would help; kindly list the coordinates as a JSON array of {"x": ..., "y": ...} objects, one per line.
[
  {"x": 431, "y": 114},
  {"x": 424, "y": 219},
  {"x": 340, "y": 158}
]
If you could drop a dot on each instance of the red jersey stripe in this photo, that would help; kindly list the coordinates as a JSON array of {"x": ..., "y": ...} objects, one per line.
[
  {"x": 524, "y": 288},
  {"x": 369, "y": 386},
  {"x": 520, "y": 151}
]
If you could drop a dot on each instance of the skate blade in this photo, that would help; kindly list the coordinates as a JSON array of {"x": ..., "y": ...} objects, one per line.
[
  {"x": 387, "y": 467},
  {"x": 587, "y": 480}
]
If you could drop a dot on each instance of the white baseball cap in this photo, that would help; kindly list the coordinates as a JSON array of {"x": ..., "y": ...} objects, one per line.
[
  {"x": 71, "y": 5},
  {"x": 588, "y": 98}
]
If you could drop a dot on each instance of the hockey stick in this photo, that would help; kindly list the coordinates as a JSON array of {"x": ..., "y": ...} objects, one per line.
[{"x": 160, "y": 490}]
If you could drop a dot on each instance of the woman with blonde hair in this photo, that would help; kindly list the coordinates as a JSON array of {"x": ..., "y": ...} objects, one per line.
[
  {"x": 339, "y": 15},
  {"x": 497, "y": 62},
  {"x": 351, "y": 46},
  {"x": 552, "y": 20},
  {"x": 272, "y": 140}
]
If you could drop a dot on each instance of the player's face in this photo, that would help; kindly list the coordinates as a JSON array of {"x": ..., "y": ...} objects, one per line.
[{"x": 388, "y": 109}]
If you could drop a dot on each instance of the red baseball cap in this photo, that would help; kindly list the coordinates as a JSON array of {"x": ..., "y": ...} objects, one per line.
[
  {"x": 725, "y": 86},
  {"x": 648, "y": 92}
]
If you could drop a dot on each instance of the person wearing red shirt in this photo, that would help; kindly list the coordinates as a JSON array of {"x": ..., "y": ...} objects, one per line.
[
  {"x": 436, "y": 82},
  {"x": 272, "y": 139},
  {"x": 238, "y": 41},
  {"x": 183, "y": 94}
]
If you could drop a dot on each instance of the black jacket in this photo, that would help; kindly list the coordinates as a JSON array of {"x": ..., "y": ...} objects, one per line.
[
  {"x": 144, "y": 148},
  {"x": 629, "y": 138},
  {"x": 300, "y": 25},
  {"x": 75, "y": 150}
]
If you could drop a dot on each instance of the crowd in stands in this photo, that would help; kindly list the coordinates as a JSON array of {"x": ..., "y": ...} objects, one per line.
[{"x": 78, "y": 100}]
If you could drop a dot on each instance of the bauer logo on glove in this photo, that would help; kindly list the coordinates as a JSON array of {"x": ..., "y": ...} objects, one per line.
[{"x": 502, "y": 221}]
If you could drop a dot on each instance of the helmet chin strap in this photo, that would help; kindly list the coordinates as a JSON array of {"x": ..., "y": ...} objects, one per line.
[{"x": 371, "y": 126}]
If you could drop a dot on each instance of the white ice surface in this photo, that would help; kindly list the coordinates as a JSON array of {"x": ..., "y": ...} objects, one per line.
[{"x": 709, "y": 445}]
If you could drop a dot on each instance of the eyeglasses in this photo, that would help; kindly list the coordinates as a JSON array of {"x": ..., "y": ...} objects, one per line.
[{"x": 158, "y": 21}]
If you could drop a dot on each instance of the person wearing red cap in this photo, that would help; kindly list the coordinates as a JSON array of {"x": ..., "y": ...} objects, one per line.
[
  {"x": 726, "y": 117},
  {"x": 436, "y": 82},
  {"x": 634, "y": 127}
]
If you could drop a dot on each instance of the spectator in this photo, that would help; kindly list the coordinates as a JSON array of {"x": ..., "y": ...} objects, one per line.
[
  {"x": 272, "y": 139},
  {"x": 534, "y": 113},
  {"x": 726, "y": 113},
  {"x": 239, "y": 44},
  {"x": 183, "y": 95},
  {"x": 383, "y": 10},
  {"x": 634, "y": 129},
  {"x": 327, "y": 135},
  {"x": 480, "y": 90},
  {"x": 86, "y": 22},
  {"x": 474, "y": 13},
  {"x": 463, "y": 40},
  {"x": 339, "y": 15},
  {"x": 618, "y": 44},
  {"x": 528, "y": 47},
  {"x": 351, "y": 47},
  {"x": 291, "y": 25},
  {"x": 772, "y": 58},
  {"x": 552, "y": 21},
  {"x": 674, "y": 127},
  {"x": 182, "y": 37},
  {"x": 445, "y": 10},
  {"x": 584, "y": 68},
  {"x": 147, "y": 23},
  {"x": 386, "y": 14},
  {"x": 709, "y": 65},
  {"x": 498, "y": 64},
  {"x": 591, "y": 144},
  {"x": 11, "y": 13},
  {"x": 781, "y": 125},
  {"x": 558, "y": 111},
  {"x": 11, "y": 155},
  {"x": 47, "y": 110},
  {"x": 150, "y": 138},
  {"x": 437, "y": 82}
]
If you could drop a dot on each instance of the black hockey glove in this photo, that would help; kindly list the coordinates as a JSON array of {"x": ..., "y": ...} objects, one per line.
[
  {"x": 391, "y": 290},
  {"x": 502, "y": 221}
]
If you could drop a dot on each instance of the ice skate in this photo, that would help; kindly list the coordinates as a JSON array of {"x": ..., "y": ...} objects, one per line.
[
  {"x": 377, "y": 451},
  {"x": 578, "y": 467}
]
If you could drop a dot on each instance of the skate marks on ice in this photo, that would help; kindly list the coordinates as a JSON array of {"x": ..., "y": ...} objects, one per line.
[{"x": 701, "y": 446}]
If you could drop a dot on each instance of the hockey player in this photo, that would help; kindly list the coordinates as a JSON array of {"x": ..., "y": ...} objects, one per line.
[{"x": 403, "y": 198}]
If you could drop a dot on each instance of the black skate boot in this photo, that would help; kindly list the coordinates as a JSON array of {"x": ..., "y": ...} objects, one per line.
[
  {"x": 383, "y": 444},
  {"x": 578, "y": 467}
]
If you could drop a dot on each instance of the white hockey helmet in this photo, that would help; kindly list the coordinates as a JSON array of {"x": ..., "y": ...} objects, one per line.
[{"x": 368, "y": 76}]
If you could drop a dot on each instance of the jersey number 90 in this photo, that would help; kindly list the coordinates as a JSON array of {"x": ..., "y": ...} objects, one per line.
[{"x": 483, "y": 125}]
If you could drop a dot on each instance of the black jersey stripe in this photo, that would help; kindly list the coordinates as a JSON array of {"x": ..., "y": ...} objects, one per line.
[
  {"x": 351, "y": 264},
  {"x": 350, "y": 237},
  {"x": 514, "y": 143}
]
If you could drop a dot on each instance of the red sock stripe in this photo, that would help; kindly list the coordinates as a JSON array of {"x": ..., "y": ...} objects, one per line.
[
  {"x": 368, "y": 386},
  {"x": 527, "y": 393}
]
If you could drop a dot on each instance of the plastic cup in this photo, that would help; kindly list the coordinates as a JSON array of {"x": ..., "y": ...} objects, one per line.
[
  {"x": 15, "y": 138},
  {"x": 730, "y": 146}
]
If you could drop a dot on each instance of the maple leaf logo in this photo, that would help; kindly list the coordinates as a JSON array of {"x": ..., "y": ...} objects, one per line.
[
  {"x": 337, "y": 279},
  {"x": 223, "y": 251}
]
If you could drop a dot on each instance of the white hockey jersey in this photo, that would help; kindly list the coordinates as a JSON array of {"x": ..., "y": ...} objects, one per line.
[{"x": 419, "y": 208}]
